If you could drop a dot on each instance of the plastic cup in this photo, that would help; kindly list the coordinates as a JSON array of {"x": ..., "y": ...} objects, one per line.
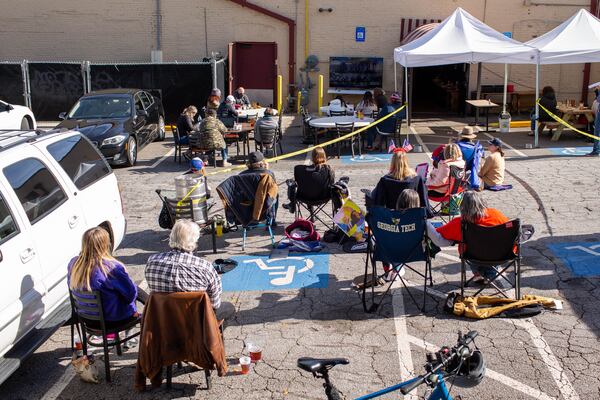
[
  {"x": 219, "y": 228},
  {"x": 255, "y": 352},
  {"x": 245, "y": 364}
]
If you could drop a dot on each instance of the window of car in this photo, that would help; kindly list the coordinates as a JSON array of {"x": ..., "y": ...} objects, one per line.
[
  {"x": 36, "y": 187},
  {"x": 80, "y": 160},
  {"x": 147, "y": 99},
  {"x": 101, "y": 107},
  {"x": 8, "y": 227},
  {"x": 139, "y": 105}
]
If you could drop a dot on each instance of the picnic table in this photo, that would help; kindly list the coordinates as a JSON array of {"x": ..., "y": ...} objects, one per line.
[
  {"x": 486, "y": 105},
  {"x": 242, "y": 134},
  {"x": 571, "y": 115}
]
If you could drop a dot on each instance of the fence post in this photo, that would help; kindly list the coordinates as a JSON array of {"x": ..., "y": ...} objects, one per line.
[
  {"x": 26, "y": 85},
  {"x": 214, "y": 72},
  {"x": 85, "y": 73},
  {"x": 279, "y": 93}
]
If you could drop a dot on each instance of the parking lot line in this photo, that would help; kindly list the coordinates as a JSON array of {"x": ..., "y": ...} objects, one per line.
[
  {"x": 404, "y": 354},
  {"x": 60, "y": 385},
  {"x": 421, "y": 142},
  {"x": 498, "y": 377},
  {"x": 163, "y": 158}
]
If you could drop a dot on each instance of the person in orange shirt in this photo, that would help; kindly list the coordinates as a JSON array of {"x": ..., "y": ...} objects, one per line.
[{"x": 474, "y": 210}]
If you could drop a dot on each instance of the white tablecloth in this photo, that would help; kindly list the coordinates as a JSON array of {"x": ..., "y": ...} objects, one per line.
[
  {"x": 259, "y": 112},
  {"x": 329, "y": 122}
]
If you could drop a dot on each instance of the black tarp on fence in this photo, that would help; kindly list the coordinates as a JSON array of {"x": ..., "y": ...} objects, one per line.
[
  {"x": 55, "y": 87},
  {"x": 11, "y": 84},
  {"x": 180, "y": 85}
]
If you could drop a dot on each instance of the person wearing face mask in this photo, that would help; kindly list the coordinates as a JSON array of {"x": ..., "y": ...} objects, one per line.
[{"x": 595, "y": 107}]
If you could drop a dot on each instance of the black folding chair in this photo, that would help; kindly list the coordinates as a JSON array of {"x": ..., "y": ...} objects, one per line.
[
  {"x": 268, "y": 140},
  {"x": 492, "y": 246},
  {"x": 344, "y": 128},
  {"x": 314, "y": 192},
  {"x": 334, "y": 113},
  {"x": 197, "y": 148},
  {"x": 178, "y": 145},
  {"x": 396, "y": 238},
  {"x": 87, "y": 306}
]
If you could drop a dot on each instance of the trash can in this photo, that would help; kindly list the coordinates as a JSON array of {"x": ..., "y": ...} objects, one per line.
[
  {"x": 504, "y": 122},
  {"x": 196, "y": 186}
]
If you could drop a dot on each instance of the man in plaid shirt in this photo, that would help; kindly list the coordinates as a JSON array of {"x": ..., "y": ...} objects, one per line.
[{"x": 179, "y": 270}]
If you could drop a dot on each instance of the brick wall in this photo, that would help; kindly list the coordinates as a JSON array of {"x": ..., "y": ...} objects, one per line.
[{"x": 111, "y": 30}]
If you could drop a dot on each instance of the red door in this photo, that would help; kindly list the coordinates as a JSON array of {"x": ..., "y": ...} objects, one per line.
[{"x": 253, "y": 65}]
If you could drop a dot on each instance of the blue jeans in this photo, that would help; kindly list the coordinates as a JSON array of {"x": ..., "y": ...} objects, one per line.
[
  {"x": 596, "y": 148},
  {"x": 224, "y": 154},
  {"x": 371, "y": 135},
  {"x": 184, "y": 140},
  {"x": 484, "y": 270}
]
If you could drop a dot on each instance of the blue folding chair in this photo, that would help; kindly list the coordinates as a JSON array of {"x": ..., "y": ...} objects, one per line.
[{"x": 396, "y": 238}]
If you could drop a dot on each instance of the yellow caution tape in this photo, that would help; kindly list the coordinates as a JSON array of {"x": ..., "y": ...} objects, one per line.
[
  {"x": 295, "y": 153},
  {"x": 565, "y": 123}
]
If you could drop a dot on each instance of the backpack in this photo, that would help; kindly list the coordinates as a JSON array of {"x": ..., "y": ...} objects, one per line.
[
  {"x": 304, "y": 225},
  {"x": 164, "y": 218}
]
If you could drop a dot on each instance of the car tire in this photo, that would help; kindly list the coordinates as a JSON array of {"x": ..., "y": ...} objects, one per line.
[
  {"x": 25, "y": 124},
  {"x": 161, "y": 129},
  {"x": 132, "y": 150}
]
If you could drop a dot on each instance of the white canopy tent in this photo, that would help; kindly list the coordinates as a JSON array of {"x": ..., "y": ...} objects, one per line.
[
  {"x": 575, "y": 41},
  {"x": 462, "y": 38}
]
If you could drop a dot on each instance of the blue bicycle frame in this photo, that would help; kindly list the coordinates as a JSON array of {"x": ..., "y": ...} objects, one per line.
[{"x": 439, "y": 393}]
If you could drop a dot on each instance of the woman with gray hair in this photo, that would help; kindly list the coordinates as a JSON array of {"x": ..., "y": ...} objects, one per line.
[
  {"x": 473, "y": 209},
  {"x": 179, "y": 270}
]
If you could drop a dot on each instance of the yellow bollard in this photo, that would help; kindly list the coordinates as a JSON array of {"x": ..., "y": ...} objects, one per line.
[
  {"x": 320, "y": 93},
  {"x": 279, "y": 93},
  {"x": 299, "y": 100}
]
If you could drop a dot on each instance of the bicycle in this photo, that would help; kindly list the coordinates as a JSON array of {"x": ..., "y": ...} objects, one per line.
[{"x": 460, "y": 360}]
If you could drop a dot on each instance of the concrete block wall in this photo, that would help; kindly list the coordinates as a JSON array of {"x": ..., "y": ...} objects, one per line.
[{"x": 112, "y": 30}]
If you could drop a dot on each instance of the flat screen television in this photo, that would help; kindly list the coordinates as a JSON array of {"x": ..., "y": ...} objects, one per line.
[{"x": 355, "y": 72}]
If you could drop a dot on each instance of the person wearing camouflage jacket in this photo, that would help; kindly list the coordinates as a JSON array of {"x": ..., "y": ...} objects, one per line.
[{"x": 211, "y": 134}]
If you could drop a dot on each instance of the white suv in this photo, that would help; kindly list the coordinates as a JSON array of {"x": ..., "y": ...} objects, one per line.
[
  {"x": 53, "y": 187},
  {"x": 13, "y": 116}
]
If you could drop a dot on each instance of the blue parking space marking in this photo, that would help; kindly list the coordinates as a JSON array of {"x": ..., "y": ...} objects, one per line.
[
  {"x": 367, "y": 159},
  {"x": 570, "y": 151},
  {"x": 582, "y": 258},
  {"x": 257, "y": 273}
]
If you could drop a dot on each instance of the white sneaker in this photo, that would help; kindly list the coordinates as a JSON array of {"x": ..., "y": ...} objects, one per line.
[{"x": 227, "y": 164}]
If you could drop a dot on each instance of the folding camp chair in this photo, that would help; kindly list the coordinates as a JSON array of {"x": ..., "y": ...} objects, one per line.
[
  {"x": 397, "y": 238},
  {"x": 448, "y": 204},
  {"x": 314, "y": 192},
  {"x": 492, "y": 246}
]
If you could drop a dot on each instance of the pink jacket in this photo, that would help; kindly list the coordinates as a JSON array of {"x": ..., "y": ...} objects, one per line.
[{"x": 438, "y": 180}]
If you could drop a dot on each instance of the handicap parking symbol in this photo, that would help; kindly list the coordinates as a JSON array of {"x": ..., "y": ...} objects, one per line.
[
  {"x": 570, "y": 151},
  {"x": 582, "y": 258},
  {"x": 255, "y": 273},
  {"x": 366, "y": 158}
]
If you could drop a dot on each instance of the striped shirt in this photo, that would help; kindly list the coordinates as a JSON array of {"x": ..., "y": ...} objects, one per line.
[{"x": 178, "y": 271}]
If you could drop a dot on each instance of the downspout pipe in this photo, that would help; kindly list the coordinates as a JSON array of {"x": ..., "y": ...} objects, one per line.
[
  {"x": 158, "y": 25},
  {"x": 587, "y": 66},
  {"x": 291, "y": 33}
]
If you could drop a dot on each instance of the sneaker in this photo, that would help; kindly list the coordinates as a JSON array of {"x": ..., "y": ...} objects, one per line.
[
  {"x": 227, "y": 164},
  {"x": 592, "y": 154}
]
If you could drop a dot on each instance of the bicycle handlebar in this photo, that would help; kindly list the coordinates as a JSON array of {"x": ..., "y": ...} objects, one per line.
[{"x": 456, "y": 351}]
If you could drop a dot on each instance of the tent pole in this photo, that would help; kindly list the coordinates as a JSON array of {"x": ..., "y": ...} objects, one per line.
[
  {"x": 537, "y": 106},
  {"x": 406, "y": 96},
  {"x": 505, "y": 88},
  {"x": 478, "y": 95},
  {"x": 395, "y": 78}
]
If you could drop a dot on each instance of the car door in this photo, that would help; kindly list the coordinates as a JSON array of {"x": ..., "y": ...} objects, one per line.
[
  {"x": 9, "y": 118},
  {"x": 152, "y": 110},
  {"x": 53, "y": 216},
  {"x": 21, "y": 288},
  {"x": 140, "y": 121}
]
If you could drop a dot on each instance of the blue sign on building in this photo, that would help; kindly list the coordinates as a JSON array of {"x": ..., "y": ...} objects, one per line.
[
  {"x": 582, "y": 258},
  {"x": 254, "y": 273},
  {"x": 361, "y": 34}
]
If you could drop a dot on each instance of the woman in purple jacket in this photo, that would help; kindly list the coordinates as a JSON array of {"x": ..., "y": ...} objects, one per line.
[{"x": 95, "y": 269}]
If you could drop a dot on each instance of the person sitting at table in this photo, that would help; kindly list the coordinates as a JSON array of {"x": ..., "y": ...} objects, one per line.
[
  {"x": 95, "y": 269},
  {"x": 268, "y": 121},
  {"x": 387, "y": 126},
  {"x": 185, "y": 124},
  {"x": 473, "y": 209},
  {"x": 241, "y": 98},
  {"x": 214, "y": 99},
  {"x": 179, "y": 270},
  {"x": 548, "y": 101},
  {"x": 438, "y": 181},
  {"x": 227, "y": 108},
  {"x": 367, "y": 104},
  {"x": 378, "y": 92},
  {"x": 492, "y": 171},
  {"x": 212, "y": 132},
  {"x": 341, "y": 101},
  {"x": 336, "y": 106}
]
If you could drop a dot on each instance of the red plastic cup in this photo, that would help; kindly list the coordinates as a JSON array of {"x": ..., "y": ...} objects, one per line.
[{"x": 255, "y": 352}]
